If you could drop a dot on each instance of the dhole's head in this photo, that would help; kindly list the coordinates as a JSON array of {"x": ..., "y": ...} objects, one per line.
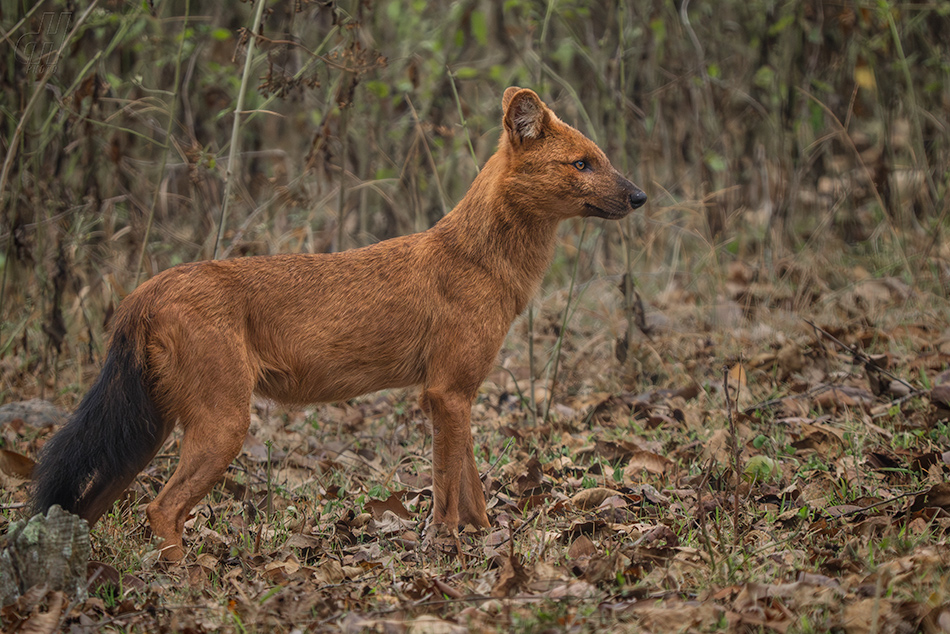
[{"x": 555, "y": 169}]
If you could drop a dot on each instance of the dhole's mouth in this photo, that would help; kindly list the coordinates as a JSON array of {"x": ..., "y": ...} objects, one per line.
[{"x": 594, "y": 210}]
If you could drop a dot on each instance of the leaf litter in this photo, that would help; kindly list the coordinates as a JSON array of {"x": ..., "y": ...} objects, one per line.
[{"x": 743, "y": 470}]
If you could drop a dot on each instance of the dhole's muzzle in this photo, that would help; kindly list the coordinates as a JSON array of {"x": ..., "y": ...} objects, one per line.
[{"x": 631, "y": 197}]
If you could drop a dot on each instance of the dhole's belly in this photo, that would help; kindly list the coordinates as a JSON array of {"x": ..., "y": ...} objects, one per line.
[
  {"x": 322, "y": 386},
  {"x": 341, "y": 369}
]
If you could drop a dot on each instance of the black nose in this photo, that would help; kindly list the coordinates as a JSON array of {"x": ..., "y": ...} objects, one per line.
[{"x": 637, "y": 199}]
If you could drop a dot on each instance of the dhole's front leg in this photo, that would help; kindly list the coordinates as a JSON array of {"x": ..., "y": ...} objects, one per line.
[{"x": 456, "y": 488}]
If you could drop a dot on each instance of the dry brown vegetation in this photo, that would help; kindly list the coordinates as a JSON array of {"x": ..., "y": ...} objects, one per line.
[{"x": 728, "y": 413}]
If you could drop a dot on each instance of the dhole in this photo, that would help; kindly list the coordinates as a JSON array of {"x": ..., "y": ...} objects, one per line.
[{"x": 431, "y": 309}]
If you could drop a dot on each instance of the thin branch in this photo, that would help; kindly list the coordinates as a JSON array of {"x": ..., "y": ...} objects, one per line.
[
  {"x": 236, "y": 128},
  {"x": 863, "y": 358},
  {"x": 40, "y": 86},
  {"x": 168, "y": 135}
]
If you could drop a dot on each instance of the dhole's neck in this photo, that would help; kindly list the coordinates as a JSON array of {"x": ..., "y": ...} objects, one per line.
[{"x": 512, "y": 240}]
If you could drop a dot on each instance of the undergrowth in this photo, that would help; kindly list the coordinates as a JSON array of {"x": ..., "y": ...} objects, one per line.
[{"x": 728, "y": 412}]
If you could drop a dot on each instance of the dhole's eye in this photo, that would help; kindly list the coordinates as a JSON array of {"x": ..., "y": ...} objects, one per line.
[{"x": 580, "y": 165}]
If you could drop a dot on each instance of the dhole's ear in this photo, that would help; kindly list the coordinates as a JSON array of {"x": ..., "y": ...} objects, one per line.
[
  {"x": 506, "y": 98},
  {"x": 525, "y": 115}
]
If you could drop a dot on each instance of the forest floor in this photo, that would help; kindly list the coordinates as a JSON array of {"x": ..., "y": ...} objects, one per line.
[{"x": 774, "y": 460}]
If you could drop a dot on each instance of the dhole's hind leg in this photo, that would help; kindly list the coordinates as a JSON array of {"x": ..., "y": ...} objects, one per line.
[
  {"x": 206, "y": 383},
  {"x": 210, "y": 443},
  {"x": 456, "y": 488}
]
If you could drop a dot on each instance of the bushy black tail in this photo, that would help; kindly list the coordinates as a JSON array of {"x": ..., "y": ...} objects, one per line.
[{"x": 113, "y": 435}]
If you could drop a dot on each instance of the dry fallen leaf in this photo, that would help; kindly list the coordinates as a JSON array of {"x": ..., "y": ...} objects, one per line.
[
  {"x": 870, "y": 615},
  {"x": 937, "y": 620},
  {"x": 717, "y": 447},
  {"x": 737, "y": 376},
  {"x": 428, "y": 624},
  {"x": 46, "y": 622},
  {"x": 16, "y": 465},
  {"x": 843, "y": 397},
  {"x": 582, "y": 547},
  {"x": 393, "y": 504},
  {"x": 391, "y": 523},
  {"x": 511, "y": 577},
  {"x": 592, "y": 498},
  {"x": 646, "y": 461},
  {"x": 938, "y": 496}
]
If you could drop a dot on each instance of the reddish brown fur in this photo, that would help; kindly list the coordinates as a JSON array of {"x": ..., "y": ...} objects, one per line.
[{"x": 428, "y": 309}]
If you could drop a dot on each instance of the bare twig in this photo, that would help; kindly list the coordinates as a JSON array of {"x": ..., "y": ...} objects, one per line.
[
  {"x": 701, "y": 513},
  {"x": 39, "y": 89},
  {"x": 524, "y": 524},
  {"x": 564, "y": 320},
  {"x": 458, "y": 103},
  {"x": 883, "y": 502},
  {"x": 491, "y": 467},
  {"x": 168, "y": 135},
  {"x": 863, "y": 358},
  {"x": 443, "y": 197},
  {"x": 733, "y": 433},
  {"x": 236, "y": 128}
]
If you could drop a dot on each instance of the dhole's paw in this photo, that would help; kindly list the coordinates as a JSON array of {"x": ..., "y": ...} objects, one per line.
[
  {"x": 443, "y": 540},
  {"x": 440, "y": 539},
  {"x": 171, "y": 553}
]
